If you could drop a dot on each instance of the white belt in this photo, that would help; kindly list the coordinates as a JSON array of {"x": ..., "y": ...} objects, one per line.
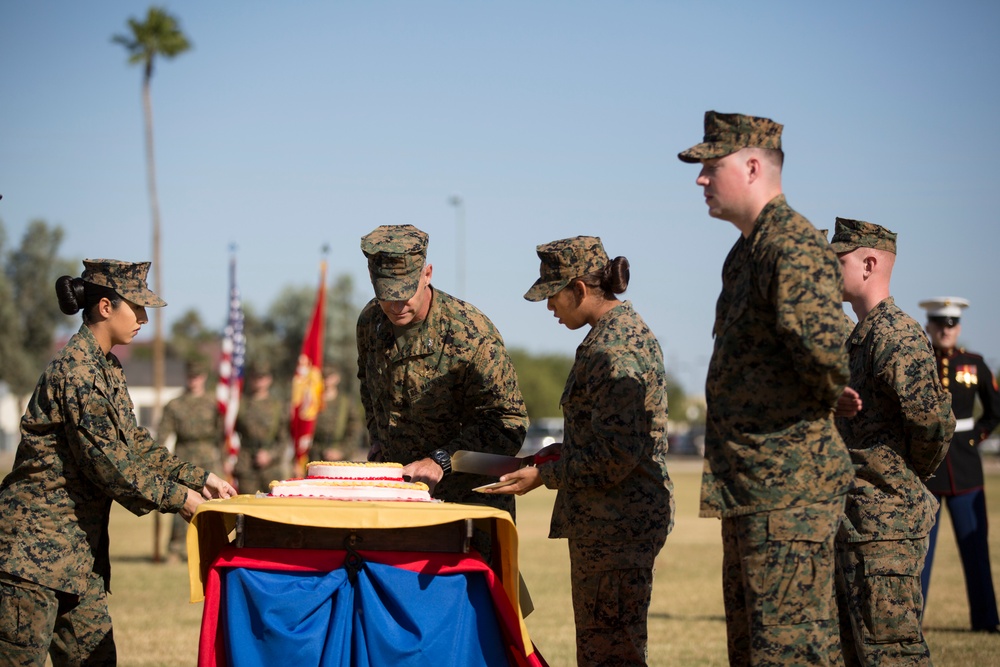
[{"x": 966, "y": 424}]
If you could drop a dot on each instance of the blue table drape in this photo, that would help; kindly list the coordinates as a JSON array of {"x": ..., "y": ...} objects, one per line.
[{"x": 388, "y": 616}]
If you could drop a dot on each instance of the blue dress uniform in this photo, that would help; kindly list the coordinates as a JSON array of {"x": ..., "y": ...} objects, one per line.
[{"x": 958, "y": 482}]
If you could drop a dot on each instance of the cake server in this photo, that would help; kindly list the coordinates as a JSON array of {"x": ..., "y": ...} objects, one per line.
[{"x": 495, "y": 465}]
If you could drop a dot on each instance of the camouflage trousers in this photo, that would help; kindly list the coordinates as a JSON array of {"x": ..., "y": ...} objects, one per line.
[
  {"x": 612, "y": 587},
  {"x": 879, "y": 600},
  {"x": 72, "y": 629},
  {"x": 778, "y": 586}
]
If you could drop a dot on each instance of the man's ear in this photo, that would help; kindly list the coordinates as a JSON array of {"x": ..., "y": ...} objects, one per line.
[{"x": 753, "y": 167}]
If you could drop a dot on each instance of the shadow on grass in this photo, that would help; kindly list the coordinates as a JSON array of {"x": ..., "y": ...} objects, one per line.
[
  {"x": 958, "y": 631},
  {"x": 686, "y": 617}
]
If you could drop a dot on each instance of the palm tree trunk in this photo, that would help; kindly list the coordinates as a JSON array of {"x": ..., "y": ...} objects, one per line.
[{"x": 158, "y": 351}]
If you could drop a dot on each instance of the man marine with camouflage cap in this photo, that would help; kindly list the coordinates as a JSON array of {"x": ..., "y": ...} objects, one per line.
[
  {"x": 435, "y": 375},
  {"x": 896, "y": 441},
  {"x": 776, "y": 470},
  {"x": 194, "y": 422}
]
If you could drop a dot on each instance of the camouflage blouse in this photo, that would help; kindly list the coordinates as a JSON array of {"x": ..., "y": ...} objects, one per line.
[
  {"x": 776, "y": 372},
  {"x": 452, "y": 386},
  {"x": 612, "y": 470},
  {"x": 80, "y": 449},
  {"x": 901, "y": 433}
]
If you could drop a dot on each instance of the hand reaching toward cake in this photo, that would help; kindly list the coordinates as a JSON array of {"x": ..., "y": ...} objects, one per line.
[{"x": 426, "y": 471}]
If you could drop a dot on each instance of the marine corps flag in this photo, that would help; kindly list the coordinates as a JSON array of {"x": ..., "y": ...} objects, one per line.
[{"x": 307, "y": 385}]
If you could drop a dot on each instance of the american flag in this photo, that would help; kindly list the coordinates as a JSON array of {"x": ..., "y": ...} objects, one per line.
[{"x": 234, "y": 348}]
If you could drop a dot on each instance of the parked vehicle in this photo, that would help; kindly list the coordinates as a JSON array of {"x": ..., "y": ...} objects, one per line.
[{"x": 541, "y": 433}]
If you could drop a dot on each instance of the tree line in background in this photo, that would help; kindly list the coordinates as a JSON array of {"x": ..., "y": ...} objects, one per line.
[{"x": 30, "y": 320}]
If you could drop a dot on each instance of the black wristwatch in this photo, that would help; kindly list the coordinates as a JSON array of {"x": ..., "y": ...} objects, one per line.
[{"x": 443, "y": 459}]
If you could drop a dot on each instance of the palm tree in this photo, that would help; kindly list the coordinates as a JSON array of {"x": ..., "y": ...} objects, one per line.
[{"x": 159, "y": 35}]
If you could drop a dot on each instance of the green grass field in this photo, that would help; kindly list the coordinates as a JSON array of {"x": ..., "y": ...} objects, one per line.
[{"x": 156, "y": 625}]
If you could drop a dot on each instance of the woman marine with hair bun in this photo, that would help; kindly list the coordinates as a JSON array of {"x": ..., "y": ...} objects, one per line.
[
  {"x": 80, "y": 449},
  {"x": 615, "y": 501}
]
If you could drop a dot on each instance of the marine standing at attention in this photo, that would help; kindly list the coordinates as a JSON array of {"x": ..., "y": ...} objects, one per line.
[
  {"x": 81, "y": 449},
  {"x": 615, "y": 502},
  {"x": 776, "y": 470},
  {"x": 194, "y": 420},
  {"x": 896, "y": 441},
  {"x": 435, "y": 375},
  {"x": 265, "y": 439},
  {"x": 958, "y": 482}
]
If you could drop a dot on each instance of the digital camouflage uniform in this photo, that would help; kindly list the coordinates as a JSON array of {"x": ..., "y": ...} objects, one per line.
[
  {"x": 262, "y": 424},
  {"x": 337, "y": 428},
  {"x": 451, "y": 387},
  {"x": 197, "y": 424},
  {"x": 615, "y": 501},
  {"x": 775, "y": 468},
  {"x": 80, "y": 449},
  {"x": 896, "y": 441}
]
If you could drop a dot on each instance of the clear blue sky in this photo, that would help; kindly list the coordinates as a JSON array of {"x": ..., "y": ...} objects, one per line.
[{"x": 295, "y": 124}]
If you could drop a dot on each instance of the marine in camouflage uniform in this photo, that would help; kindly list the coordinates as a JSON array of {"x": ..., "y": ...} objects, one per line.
[
  {"x": 435, "y": 385},
  {"x": 81, "y": 449},
  {"x": 615, "y": 498},
  {"x": 896, "y": 442},
  {"x": 776, "y": 470},
  {"x": 265, "y": 439},
  {"x": 195, "y": 421}
]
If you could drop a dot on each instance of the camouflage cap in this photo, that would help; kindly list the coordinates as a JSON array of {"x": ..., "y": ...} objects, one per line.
[
  {"x": 396, "y": 255},
  {"x": 195, "y": 367},
  {"x": 727, "y": 133},
  {"x": 564, "y": 260},
  {"x": 128, "y": 279},
  {"x": 258, "y": 368},
  {"x": 851, "y": 234}
]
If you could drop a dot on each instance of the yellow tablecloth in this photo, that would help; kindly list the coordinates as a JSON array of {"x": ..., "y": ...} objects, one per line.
[{"x": 214, "y": 520}]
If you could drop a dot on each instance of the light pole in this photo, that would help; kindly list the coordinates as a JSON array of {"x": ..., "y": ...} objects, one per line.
[{"x": 459, "y": 205}]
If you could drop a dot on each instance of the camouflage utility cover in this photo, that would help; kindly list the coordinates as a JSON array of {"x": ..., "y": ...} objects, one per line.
[
  {"x": 452, "y": 386},
  {"x": 850, "y": 234},
  {"x": 396, "y": 255},
  {"x": 902, "y": 433},
  {"x": 80, "y": 449},
  {"x": 564, "y": 260},
  {"x": 612, "y": 470},
  {"x": 128, "y": 279},
  {"x": 776, "y": 372},
  {"x": 727, "y": 133}
]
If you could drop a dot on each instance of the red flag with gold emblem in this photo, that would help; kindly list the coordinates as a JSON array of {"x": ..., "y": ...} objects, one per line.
[{"x": 307, "y": 384}]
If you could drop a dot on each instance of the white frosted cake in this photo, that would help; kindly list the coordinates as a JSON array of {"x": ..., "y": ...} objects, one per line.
[{"x": 348, "y": 480}]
